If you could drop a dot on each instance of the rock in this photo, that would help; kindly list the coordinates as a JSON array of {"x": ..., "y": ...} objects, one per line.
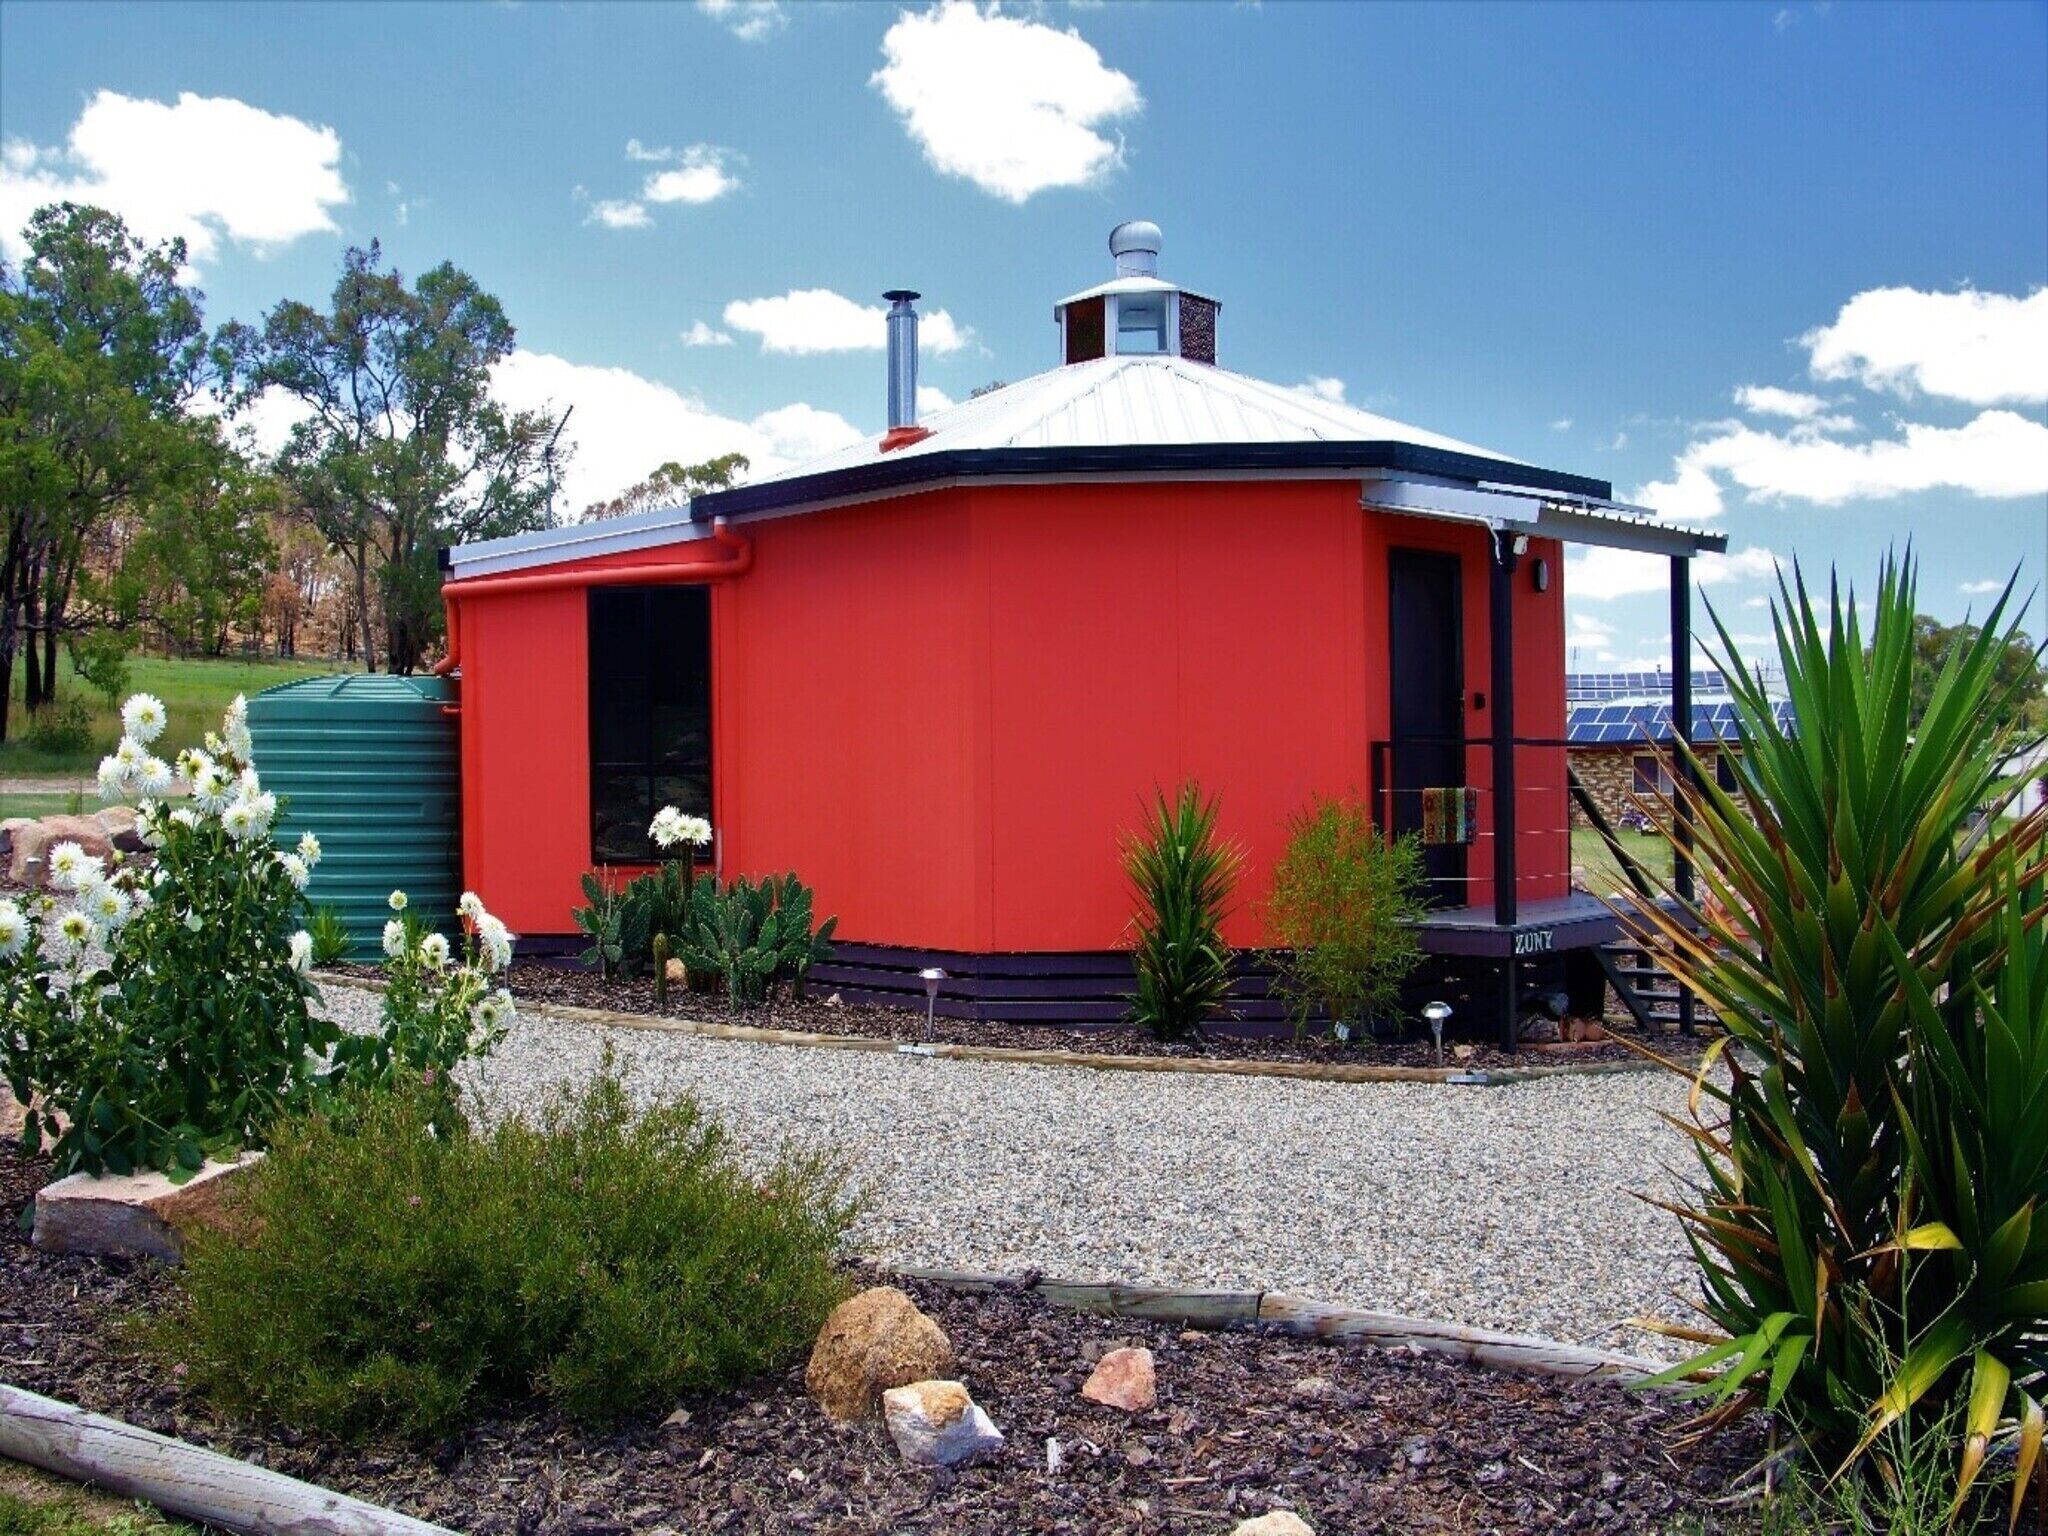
[
  {"x": 11, "y": 1115},
  {"x": 120, "y": 822},
  {"x": 875, "y": 1341},
  {"x": 1312, "y": 1389},
  {"x": 1280, "y": 1522},
  {"x": 936, "y": 1424},
  {"x": 1538, "y": 1030},
  {"x": 8, "y": 828},
  {"x": 25, "y": 845},
  {"x": 136, "y": 1215},
  {"x": 1124, "y": 1378},
  {"x": 35, "y": 843}
]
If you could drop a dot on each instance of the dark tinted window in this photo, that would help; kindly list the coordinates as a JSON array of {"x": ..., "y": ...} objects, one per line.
[{"x": 650, "y": 714}]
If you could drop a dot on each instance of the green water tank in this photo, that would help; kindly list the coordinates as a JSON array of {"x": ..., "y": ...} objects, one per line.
[{"x": 369, "y": 764}]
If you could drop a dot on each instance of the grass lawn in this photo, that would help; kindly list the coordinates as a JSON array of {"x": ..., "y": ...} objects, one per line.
[
  {"x": 195, "y": 692},
  {"x": 1602, "y": 872},
  {"x": 33, "y": 1504},
  {"x": 79, "y": 802}
]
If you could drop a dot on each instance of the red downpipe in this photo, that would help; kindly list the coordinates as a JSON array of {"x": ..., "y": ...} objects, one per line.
[{"x": 698, "y": 568}]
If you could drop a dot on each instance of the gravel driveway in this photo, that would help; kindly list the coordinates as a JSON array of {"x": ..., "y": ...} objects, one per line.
[{"x": 1502, "y": 1207}]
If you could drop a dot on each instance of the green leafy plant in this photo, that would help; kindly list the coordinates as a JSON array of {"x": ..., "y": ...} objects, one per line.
[
  {"x": 1182, "y": 875},
  {"x": 756, "y": 937},
  {"x": 441, "y": 1005},
  {"x": 652, "y": 905},
  {"x": 329, "y": 932},
  {"x": 1875, "y": 948},
  {"x": 1343, "y": 907},
  {"x": 608, "y": 923},
  {"x": 598, "y": 1260},
  {"x": 661, "y": 960}
]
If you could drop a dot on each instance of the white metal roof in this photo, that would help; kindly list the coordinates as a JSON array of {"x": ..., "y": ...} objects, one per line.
[
  {"x": 1113, "y": 402},
  {"x": 1135, "y": 282}
]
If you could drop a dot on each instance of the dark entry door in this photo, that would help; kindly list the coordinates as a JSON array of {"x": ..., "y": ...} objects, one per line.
[{"x": 1427, "y": 691}]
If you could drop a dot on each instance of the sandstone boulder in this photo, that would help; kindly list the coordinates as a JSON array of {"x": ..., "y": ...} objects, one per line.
[
  {"x": 1125, "y": 1379},
  {"x": 137, "y": 1215},
  {"x": 875, "y": 1341},
  {"x": 936, "y": 1424},
  {"x": 1280, "y": 1522},
  {"x": 35, "y": 843}
]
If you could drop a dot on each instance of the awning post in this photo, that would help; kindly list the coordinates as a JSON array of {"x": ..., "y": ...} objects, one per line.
[{"x": 1684, "y": 780}]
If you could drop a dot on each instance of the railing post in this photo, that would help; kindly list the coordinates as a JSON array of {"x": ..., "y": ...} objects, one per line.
[{"x": 1683, "y": 780}]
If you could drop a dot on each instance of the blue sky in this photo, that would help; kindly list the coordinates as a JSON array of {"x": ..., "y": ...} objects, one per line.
[{"x": 1572, "y": 233}]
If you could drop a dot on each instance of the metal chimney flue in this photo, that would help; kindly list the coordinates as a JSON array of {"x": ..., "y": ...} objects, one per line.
[{"x": 902, "y": 358}]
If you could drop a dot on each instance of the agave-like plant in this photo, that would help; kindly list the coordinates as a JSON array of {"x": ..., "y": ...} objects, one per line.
[
  {"x": 1871, "y": 1222},
  {"x": 1182, "y": 875}
]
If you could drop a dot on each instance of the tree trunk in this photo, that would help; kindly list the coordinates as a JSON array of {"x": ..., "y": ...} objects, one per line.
[{"x": 362, "y": 565}]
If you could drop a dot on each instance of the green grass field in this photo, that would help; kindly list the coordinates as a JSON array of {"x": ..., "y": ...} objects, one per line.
[
  {"x": 36, "y": 1504},
  {"x": 1603, "y": 875},
  {"x": 195, "y": 693}
]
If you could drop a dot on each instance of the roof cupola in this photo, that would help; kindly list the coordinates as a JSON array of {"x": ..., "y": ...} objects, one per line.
[{"x": 1136, "y": 313}]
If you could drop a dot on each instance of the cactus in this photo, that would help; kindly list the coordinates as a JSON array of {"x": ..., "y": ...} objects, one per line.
[{"x": 661, "y": 972}]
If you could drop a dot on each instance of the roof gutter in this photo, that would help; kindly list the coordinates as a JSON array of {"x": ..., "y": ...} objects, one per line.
[{"x": 736, "y": 560}]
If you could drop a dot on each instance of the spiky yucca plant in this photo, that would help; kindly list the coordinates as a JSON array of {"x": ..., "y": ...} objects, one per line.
[
  {"x": 1182, "y": 875},
  {"x": 1871, "y": 1225}
]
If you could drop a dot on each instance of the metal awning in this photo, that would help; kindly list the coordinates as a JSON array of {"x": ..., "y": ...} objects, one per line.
[{"x": 1545, "y": 514}]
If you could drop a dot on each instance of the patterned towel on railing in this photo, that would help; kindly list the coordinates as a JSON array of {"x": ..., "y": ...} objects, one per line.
[{"x": 1450, "y": 814}]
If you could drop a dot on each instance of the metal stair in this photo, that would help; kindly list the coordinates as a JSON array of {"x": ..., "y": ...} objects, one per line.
[{"x": 1650, "y": 993}]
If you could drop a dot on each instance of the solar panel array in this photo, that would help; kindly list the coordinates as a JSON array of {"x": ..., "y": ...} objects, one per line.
[
  {"x": 1599, "y": 687},
  {"x": 1639, "y": 723}
]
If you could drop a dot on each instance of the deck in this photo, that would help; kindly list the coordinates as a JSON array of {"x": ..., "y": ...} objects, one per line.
[{"x": 1577, "y": 921}]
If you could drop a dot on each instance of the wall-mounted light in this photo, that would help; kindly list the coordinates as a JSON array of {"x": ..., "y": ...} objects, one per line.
[
  {"x": 1521, "y": 545},
  {"x": 1541, "y": 575}
]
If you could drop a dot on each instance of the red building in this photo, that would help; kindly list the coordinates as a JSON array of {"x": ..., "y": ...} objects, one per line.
[{"x": 940, "y": 672}]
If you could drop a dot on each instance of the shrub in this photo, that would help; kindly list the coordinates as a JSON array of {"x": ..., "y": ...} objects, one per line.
[
  {"x": 164, "y": 1015},
  {"x": 756, "y": 937},
  {"x": 1182, "y": 877},
  {"x": 601, "y": 1261},
  {"x": 60, "y": 726},
  {"x": 1870, "y": 1219},
  {"x": 100, "y": 658},
  {"x": 1343, "y": 905}
]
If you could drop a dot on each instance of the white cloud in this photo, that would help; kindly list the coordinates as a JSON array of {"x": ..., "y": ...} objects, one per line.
[
  {"x": 635, "y": 150},
  {"x": 1586, "y": 627},
  {"x": 1980, "y": 348},
  {"x": 623, "y": 425},
  {"x": 751, "y": 21},
  {"x": 1013, "y": 106},
  {"x": 701, "y": 174},
  {"x": 1322, "y": 387},
  {"x": 930, "y": 400},
  {"x": 701, "y": 335},
  {"x": 808, "y": 320},
  {"x": 1562, "y": 424},
  {"x": 204, "y": 168},
  {"x": 261, "y": 427},
  {"x": 1769, "y": 400},
  {"x": 1997, "y": 454},
  {"x": 1980, "y": 588},
  {"x": 618, "y": 213},
  {"x": 1600, "y": 574}
]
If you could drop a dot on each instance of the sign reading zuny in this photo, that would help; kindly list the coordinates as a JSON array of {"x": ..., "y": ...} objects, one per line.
[{"x": 1536, "y": 941}]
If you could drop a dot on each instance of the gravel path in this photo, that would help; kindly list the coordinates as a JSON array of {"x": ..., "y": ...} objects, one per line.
[{"x": 1501, "y": 1207}]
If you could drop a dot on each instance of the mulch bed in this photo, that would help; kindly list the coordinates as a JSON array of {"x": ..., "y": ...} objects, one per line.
[
  {"x": 558, "y": 982},
  {"x": 1354, "y": 1439}
]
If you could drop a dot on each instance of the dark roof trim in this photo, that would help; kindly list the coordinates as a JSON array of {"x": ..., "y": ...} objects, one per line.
[{"x": 888, "y": 474}]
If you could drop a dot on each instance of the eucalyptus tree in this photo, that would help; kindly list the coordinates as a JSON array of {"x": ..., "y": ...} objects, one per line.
[
  {"x": 103, "y": 352},
  {"x": 401, "y": 449}
]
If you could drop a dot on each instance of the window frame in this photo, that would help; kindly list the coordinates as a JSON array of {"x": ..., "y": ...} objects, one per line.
[
  {"x": 1659, "y": 775},
  {"x": 647, "y": 767}
]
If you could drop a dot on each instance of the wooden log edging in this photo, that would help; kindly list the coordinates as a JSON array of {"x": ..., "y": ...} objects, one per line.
[
  {"x": 1300, "y": 1071},
  {"x": 1275, "y": 1311},
  {"x": 184, "y": 1479}
]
